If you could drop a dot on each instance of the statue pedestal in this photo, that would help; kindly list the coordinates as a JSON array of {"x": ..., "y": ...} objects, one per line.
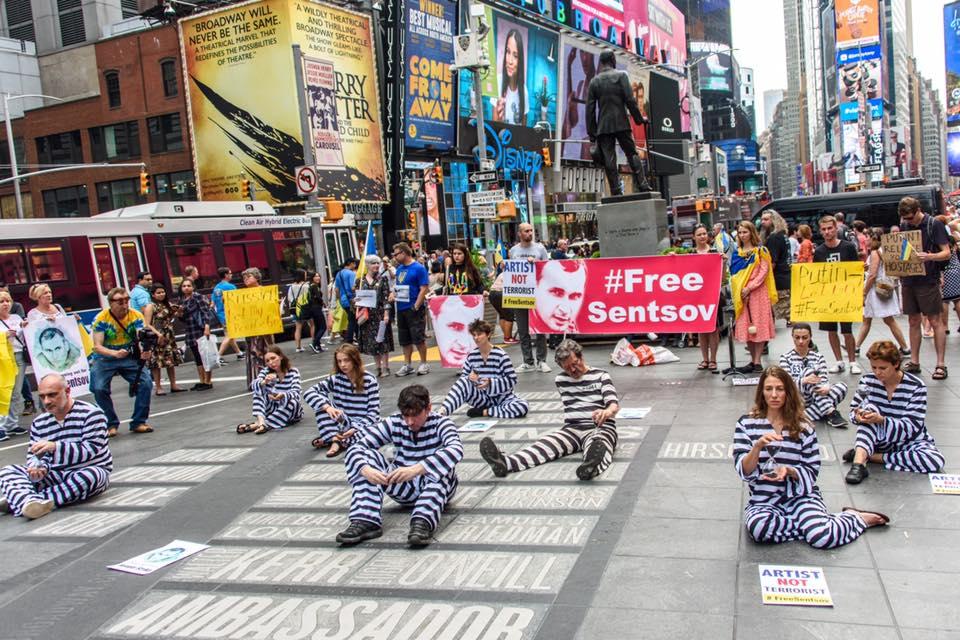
[{"x": 631, "y": 225}]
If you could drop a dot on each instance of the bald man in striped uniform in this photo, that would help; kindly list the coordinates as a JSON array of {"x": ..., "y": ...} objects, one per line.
[
  {"x": 68, "y": 459},
  {"x": 486, "y": 381},
  {"x": 422, "y": 474},
  {"x": 589, "y": 406}
]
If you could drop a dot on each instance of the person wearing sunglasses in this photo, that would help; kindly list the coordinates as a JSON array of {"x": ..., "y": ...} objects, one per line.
[
  {"x": 116, "y": 352},
  {"x": 775, "y": 451}
]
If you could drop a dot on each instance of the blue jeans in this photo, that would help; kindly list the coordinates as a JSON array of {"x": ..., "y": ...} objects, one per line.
[{"x": 102, "y": 372}]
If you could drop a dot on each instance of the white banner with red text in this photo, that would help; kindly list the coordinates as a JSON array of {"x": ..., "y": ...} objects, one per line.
[{"x": 661, "y": 294}]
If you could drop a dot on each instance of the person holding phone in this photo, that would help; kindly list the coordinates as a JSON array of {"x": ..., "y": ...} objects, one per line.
[
  {"x": 890, "y": 409},
  {"x": 775, "y": 451}
]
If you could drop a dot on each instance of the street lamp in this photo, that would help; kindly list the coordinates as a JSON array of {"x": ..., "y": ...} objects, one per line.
[{"x": 13, "y": 151}]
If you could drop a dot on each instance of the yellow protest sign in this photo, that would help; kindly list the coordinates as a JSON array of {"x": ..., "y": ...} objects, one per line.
[
  {"x": 253, "y": 311},
  {"x": 826, "y": 292},
  {"x": 900, "y": 253}
]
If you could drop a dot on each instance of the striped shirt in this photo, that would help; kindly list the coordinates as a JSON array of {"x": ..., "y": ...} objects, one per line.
[
  {"x": 802, "y": 455},
  {"x": 436, "y": 445},
  {"x": 289, "y": 385},
  {"x": 498, "y": 369},
  {"x": 81, "y": 439},
  {"x": 338, "y": 390},
  {"x": 904, "y": 415},
  {"x": 582, "y": 396},
  {"x": 795, "y": 364}
]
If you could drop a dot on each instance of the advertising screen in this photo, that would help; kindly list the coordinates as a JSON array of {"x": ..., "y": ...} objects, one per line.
[
  {"x": 742, "y": 154},
  {"x": 715, "y": 67},
  {"x": 951, "y": 49},
  {"x": 857, "y": 21},
  {"x": 665, "y": 133},
  {"x": 430, "y": 88},
  {"x": 953, "y": 152},
  {"x": 243, "y": 111},
  {"x": 598, "y": 16},
  {"x": 520, "y": 87},
  {"x": 865, "y": 76}
]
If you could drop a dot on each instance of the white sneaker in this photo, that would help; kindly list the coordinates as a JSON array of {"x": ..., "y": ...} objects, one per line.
[
  {"x": 836, "y": 368},
  {"x": 405, "y": 370},
  {"x": 524, "y": 367},
  {"x": 543, "y": 367},
  {"x": 855, "y": 369},
  {"x": 299, "y": 349},
  {"x": 423, "y": 369},
  {"x": 37, "y": 509}
]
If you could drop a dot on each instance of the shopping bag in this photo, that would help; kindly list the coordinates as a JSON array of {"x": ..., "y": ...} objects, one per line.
[{"x": 209, "y": 356}]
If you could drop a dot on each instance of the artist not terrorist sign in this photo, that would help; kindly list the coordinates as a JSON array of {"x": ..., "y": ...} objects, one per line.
[{"x": 668, "y": 294}]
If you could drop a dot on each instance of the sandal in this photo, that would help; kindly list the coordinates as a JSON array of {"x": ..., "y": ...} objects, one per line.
[
  {"x": 712, "y": 365},
  {"x": 112, "y": 432},
  {"x": 318, "y": 443},
  {"x": 262, "y": 429},
  {"x": 246, "y": 427},
  {"x": 160, "y": 392},
  {"x": 703, "y": 365},
  {"x": 939, "y": 372},
  {"x": 177, "y": 390},
  {"x": 885, "y": 519},
  {"x": 911, "y": 367}
]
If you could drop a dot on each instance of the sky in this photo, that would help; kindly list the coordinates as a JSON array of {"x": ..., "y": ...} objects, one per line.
[{"x": 762, "y": 48}]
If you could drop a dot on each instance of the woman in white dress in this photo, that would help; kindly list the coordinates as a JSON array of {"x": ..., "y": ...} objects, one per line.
[{"x": 881, "y": 296}]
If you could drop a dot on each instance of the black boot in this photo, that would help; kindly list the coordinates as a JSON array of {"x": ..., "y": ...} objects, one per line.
[
  {"x": 420, "y": 531},
  {"x": 857, "y": 474},
  {"x": 591, "y": 460},
  {"x": 359, "y": 531},
  {"x": 494, "y": 457}
]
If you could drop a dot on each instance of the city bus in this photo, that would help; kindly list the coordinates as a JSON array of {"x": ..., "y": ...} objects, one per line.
[{"x": 83, "y": 258}]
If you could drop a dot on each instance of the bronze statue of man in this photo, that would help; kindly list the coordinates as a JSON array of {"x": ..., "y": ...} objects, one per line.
[{"x": 610, "y": 91}]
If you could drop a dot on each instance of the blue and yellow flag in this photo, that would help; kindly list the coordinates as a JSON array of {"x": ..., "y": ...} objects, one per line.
[
  {"x": 742, "y": 266},
  {"x": 369, "y": 247},
  {"x": 906, "y": 250},
  {"x": 8, "y": 375}
]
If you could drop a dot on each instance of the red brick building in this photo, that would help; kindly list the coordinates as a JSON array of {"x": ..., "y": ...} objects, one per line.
[{"x": 139, "y": 116}]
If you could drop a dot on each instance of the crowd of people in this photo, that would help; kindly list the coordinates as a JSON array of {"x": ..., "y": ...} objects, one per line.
[{"x": 775, "y": 445}]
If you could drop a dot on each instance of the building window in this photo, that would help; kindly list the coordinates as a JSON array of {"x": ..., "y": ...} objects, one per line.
[
  {"x": 129, "y": 8},
  {"x": 68, "y": 202},
  {"x": 72, "y": 30},
  {"x": 20, "y": 152},
  {"x": 20, "y": 20},
  {"x": 115, "y": 142},
  {"x": 176, "y": 186},
  {"x": 165, "y": 133},
  {"x": 8, "y": 205},
  {"x": 60, "y": 148},
  {"x": 112, "y": 80},
  {"x": 168, "y": 75},
  {"x": 118, "y": 194}
]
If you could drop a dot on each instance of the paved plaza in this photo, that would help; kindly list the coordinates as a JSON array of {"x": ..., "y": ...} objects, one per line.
[{"x": 654, "y": 548}]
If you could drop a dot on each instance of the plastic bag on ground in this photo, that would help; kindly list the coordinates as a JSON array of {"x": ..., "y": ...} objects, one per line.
[
  {"x": 625, "y": 354},
  {"x": 209, "y": 356}
]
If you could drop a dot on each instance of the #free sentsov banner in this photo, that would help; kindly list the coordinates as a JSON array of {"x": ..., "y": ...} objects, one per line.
[{"x": 668, "y": 294}]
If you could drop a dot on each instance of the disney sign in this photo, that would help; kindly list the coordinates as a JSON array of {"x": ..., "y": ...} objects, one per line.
[{"x": 511, "y": 148}]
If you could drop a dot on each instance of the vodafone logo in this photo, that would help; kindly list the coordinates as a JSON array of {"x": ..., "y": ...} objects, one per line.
[{"x": 667, "y": 125}]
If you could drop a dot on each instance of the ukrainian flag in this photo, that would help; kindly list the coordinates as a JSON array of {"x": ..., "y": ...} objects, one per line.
[
  {"x": 370, "y": 247},
  {"x": 742, "y": 266},
  {"x": 906, "y": 250}
]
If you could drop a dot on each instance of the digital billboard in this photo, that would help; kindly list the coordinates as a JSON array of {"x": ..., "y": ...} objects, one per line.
[
  {"x": 860, "y": 77},
  {"x": 857, "y": 22},
  {"x": 238, "y": 64},
  {"x": 953, "y": 152},
  {"x": 715, "y": 66},
  {"x": 430, "y": 86},
  {"x": 951, "y": 49},
  {"x": 742, "y": 154}
]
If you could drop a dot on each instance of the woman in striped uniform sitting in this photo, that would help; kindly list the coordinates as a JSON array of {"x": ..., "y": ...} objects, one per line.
[
  {"x": 346, "y": 402},
  {"x": 68, "y": 459},
  {"x": 589, "y": 406},
  {"x": 276, "y": 394},
  {"x": 889, "y": 409},
  {"x": 775, "y": 451},
  {"x": 809, "y": 370},
  {"x": 486, "y": 381}
]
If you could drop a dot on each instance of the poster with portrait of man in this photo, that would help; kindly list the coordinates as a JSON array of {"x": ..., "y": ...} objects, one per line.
[
  {"x": 55, "y": 346},
  {"x": 452, "y": 316},
  {"x": 320, "y": 77}
]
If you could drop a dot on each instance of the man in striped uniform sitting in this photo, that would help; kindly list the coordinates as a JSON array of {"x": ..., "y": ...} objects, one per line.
[
  {"x": 486, "y": 381},
  {"x": 422, "y": 473},
  {"x": 589, "y": 406},
  {"x": 809, "y": 370},
  {"x": 68, "y": 460}
]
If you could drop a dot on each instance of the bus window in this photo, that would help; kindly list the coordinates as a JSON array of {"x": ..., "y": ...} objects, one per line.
[
  {"x": 106, "y": 270},
  {"x": 47, "y": 262},
  {"x": 13, "y": 264},
  {"x": 193, "y": 250},
  {"x": 130, "y": 255},
  {"x": 242, "y": 250},
  {"x": 346, "y": 243},
  {"x": 292, "y": 250},
  {"x": 333, "y": 256}
]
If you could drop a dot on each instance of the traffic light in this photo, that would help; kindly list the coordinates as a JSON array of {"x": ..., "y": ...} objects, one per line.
[
  {"x": 144, "y": 183},
  {"x": 438, "y": 171},
  {"x": 547, "y": 160},
  {"x": 244, "y": 189},
  {"x": 412, "y": 219}
]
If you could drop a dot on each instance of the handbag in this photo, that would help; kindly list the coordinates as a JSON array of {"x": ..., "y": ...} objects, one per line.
[
  {"x": 884, "y": 288},
  {"x": 363, "y": 314}
]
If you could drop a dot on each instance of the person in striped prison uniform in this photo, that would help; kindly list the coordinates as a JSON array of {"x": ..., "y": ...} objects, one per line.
[
  {"x": 346, "y": 403},
  {"x": 276, "y": 394},
  {"x": 589, "y": 406},
  {"x": 809, "y": 370},
  {"x": 775, "y": 451},
  {"x": 890, "y": 409},
  {"x": 422, "y": 474},
  {"x": 68, "y": 459},
  {"x": 486, "y": 381}
]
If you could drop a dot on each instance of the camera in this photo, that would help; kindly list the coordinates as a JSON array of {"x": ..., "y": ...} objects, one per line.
[{"x": 146, "y": 340}]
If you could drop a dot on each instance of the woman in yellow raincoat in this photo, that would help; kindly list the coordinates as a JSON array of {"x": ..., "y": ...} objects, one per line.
[{"x": 754, "y": 294}]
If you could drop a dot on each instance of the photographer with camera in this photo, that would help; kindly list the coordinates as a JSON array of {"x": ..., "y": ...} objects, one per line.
[{"x": 122, "y": 345}]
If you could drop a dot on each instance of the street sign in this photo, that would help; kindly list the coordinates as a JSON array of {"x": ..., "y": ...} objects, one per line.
[
  {"x": 483, "y": 211},
  {"x": 868, "y": 168},
  {"x": 482, "y": 176},
  {"x": 484, "y": 197},
  {"x": 306, "y": 181}
]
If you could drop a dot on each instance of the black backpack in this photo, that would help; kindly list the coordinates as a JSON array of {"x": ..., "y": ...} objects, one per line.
[{"x": 940, "y": 265}]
